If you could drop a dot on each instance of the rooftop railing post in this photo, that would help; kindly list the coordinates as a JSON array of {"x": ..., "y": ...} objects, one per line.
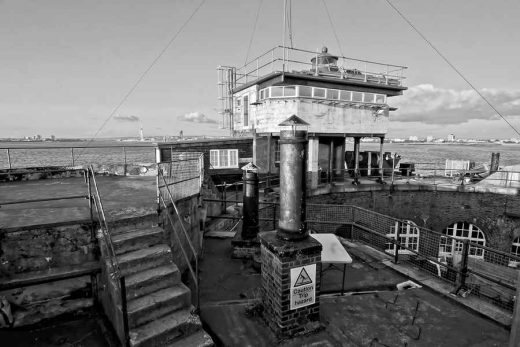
[
  {"x": 72, "y": 155},
  {"x": 397, "y": 242},
  {"x": 124, "y": 161},
  {"x": 89, "y": 185},
  {"x": 9, "y": 159}
]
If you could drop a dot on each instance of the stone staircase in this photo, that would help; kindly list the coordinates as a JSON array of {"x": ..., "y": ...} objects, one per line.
[{"x": 158, "y": 303}]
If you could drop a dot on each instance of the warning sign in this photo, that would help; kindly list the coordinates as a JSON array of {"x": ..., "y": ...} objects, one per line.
[{"x": 303, "y": 286}]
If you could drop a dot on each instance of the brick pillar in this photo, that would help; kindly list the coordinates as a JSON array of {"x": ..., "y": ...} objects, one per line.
[
  {"x": 291, "y": 260},
  {"x": 279, "y": 291}
]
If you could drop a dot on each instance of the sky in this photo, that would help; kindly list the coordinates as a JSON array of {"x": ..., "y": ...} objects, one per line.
[{"x": 66, "y": 65}]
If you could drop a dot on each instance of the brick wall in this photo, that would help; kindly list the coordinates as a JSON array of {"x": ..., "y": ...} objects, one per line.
[{"x": 437, "y": 209}]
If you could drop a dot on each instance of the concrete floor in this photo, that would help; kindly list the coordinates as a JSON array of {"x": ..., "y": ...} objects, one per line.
[
  {"x": 372, "y": 313},
  {"x": 121, "y": 196}
]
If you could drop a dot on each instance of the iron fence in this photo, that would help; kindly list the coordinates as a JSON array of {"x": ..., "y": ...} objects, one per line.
[
  {"x": 18, "y": 157},
  {"x": 472, "y": 268},
  {"x": 181, "y": 177}
]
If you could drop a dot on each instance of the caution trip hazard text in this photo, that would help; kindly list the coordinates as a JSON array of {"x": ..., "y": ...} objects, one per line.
[{"x": 303, "y": 286}]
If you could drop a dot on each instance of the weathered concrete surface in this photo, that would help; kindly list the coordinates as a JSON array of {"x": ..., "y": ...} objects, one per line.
[
  {"x": 87, "y": 330},
  {"x": 121, "y": 196},
  {"x": 230, "y": 289}
]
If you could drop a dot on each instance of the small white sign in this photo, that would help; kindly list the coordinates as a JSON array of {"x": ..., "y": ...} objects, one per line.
[{"x": 303, "y": 286}]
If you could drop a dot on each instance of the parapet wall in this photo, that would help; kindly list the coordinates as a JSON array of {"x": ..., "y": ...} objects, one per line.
[{"x": 30, "y": 253}]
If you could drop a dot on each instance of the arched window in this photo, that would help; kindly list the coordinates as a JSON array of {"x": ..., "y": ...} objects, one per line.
[
  {"x": 462, "y": 231},
  {"x": 408, "y": 237},
  {"x": 515, "y": 247}
]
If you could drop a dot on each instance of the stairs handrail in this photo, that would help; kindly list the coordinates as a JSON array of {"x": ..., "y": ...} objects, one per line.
[
  {"x": 194, "y": 273},
  {"x": 104, "y": 227}
]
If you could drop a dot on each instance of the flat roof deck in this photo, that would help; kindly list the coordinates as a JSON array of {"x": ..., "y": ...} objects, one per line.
[
  {"x": 372, "y": 313},
  {"x": 129, "y": 196}
]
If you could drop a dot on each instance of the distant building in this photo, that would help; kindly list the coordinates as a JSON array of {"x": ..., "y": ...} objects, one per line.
[
  {"x": 337, "y": 101},
  {"x": 451, "y": 138},
  {"x": 429, "y": 138},
  {"x": 413, "y": 138}
]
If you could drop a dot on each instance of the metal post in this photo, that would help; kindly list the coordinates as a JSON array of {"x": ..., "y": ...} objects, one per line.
[
  {"x": 393, "y": 168},
  {"x": 357, "y": 141},
  {"x": 514, "y": 336},
  {"x": 9, "y": 159},
  {"x": 381, "y": 158},
  {"x": 124, "y": 161},
  {"x": 224, "y": 196},
  {"x": 124, "y": 310},
  {"x": 72, "y": 155},
  {"x": 331, "y": 158},
  {"x": 398, "y": 242},
  {"x": 89, "y": 185}
]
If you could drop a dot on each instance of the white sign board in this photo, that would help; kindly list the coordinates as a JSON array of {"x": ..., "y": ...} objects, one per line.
[{"x": 303, "y": 286}]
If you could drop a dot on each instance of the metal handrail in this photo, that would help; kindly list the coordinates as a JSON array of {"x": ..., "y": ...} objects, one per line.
[
  {"x": 104, "y": 226},
  {"x": 119, "y": 279},
  {"x": 194, "y": 273},
  {"x": 73, "y": 156}
]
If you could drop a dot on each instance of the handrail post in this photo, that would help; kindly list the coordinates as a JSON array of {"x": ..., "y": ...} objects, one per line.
[
  {"x": 124, "y": 161},
  {"x": 72, "y": 155},
  {"x": 9, "y": 159},
  {"x": 124, "y": 310},
  {"x": 398, "y": 242},
  {"x": 89, "y": 185}
]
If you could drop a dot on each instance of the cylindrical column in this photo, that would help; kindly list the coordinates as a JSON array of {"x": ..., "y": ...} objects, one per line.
[
  {"x": 339, "y": 160},
  {"x": 250, "y": 201},
  {"x": 357, "y": 141},
  {"x": 291, "y": 224},
  {"x": 381, "y": 158}
]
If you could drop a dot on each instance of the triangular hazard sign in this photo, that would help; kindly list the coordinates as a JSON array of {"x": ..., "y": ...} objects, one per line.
[{"x": 303, "y": 279}]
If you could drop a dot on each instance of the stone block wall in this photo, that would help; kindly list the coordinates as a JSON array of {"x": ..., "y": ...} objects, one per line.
[{"x": 45, "y": 247}]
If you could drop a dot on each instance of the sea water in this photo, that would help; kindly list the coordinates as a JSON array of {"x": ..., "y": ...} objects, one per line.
[{"x": 31, "y": 154}]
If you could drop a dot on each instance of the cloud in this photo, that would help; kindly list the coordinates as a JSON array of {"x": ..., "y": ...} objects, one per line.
[
  {"x": 431, "y": 105},
  {"x": 196, "y": 117},
  {"x": 126, "y": 118}
]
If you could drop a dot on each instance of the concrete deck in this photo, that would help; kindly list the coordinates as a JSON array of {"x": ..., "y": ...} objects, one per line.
[
  {"x": 372, "y": 313},
  {"x": 121, "y": 196}
]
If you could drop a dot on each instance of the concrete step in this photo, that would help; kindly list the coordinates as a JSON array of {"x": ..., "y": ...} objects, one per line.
[
  {"x": 165, "y": 330},
  {"x": 128, "y": 224},
  {"x": 143, "y": 259},
  {"x": 157, "y": 304},
  {"x": 137, "y": 239},
  {"x": 151, "y": 280},
  {"x": 199, "y": 339}
]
